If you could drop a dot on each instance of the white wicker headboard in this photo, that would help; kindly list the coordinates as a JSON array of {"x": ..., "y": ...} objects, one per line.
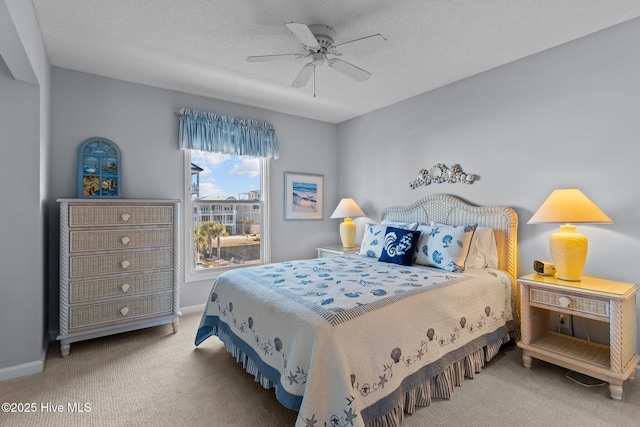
[{"x": 447, "y": 209}]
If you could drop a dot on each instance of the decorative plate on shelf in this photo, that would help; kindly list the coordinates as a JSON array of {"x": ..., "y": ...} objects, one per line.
[{"x": 99, "y": 169}]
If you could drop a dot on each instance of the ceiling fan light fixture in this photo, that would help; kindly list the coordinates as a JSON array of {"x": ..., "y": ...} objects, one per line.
[{"x": 324, "y": 35}]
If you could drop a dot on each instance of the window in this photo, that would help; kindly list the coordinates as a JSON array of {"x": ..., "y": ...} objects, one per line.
[{"x": 226, "y": 212}]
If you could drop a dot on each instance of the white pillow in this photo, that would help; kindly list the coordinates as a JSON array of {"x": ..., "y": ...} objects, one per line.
[
  {"x": 483, "y": 251},
  {"x": 400, "y": 224},
  {"x": 444, "y": 246},
  {"x": 372, "y": 240}
]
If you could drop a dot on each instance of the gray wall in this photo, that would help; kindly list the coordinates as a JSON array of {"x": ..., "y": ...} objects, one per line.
[
  {"x": 140, "y": 120},
  {"x": 24, "y": 132},
  {"x": 566, "y": 117},
  {"x": 21, "y": 289}
]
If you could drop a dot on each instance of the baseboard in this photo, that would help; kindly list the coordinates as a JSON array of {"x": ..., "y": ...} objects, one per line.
[
  {"x": 193, "y": 309},
  {"x": 24, "y": 369}
]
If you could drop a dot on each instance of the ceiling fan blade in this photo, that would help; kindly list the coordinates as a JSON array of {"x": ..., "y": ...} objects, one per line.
[
  {"x": 368, "y": 43},
  {"x": 304, "y": 75},
  {"x": 350, "y": 70},
  {"x": 303, "y": 33},
  {"x": 266, "y": 58}
]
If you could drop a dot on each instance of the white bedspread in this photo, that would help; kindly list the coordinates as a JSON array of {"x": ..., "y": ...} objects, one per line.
[{"x": 343, "y": 338}]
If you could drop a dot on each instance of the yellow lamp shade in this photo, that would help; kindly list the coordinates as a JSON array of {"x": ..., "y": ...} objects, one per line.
[{"x": 569, "y": 205}]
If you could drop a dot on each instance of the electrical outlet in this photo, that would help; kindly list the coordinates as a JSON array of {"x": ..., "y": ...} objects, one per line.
[{"x": 565, "y": 326}]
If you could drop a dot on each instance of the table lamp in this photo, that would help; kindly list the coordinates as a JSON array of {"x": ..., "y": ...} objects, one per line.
[
  {"x": 347, "y": 208},
  {"x": 568, "y": 247}
]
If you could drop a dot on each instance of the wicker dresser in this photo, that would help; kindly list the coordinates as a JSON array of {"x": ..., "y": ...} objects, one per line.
[{"x": 119, "y": 266}]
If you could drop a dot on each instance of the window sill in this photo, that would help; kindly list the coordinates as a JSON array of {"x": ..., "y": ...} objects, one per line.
[{"x": 200, "y": 276}]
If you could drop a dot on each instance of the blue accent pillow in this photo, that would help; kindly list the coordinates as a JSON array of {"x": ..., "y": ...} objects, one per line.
[
  {"x": 399, "y": 246},
  {"x": 444, "y": 246}
]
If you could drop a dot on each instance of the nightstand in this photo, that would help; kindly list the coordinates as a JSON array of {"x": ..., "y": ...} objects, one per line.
[
  {"x": 333, "y": 250},
  {"x": 592, "y": 298}
]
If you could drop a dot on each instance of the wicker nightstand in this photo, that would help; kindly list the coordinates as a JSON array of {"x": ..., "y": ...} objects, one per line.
[{"x": 592, "y": 298}]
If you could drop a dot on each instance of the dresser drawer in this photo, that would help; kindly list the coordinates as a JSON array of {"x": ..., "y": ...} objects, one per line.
[
  {"x": 570, "y": 302},
  {"x": 91, "y": 290},
  {"x": 94, "y": 265},
  {"x": 119, "y": 311},
  {"x": 82, "y": 241},
  {"x": 82, "y": 216}
]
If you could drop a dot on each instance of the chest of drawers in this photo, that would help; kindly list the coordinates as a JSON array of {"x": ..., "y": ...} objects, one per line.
[{"x": 119, "y": 266}]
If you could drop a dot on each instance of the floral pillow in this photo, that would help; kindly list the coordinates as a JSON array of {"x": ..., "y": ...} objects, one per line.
[
  {"x": 399, "y": 245},
  {"x": 444, "y": 246}
]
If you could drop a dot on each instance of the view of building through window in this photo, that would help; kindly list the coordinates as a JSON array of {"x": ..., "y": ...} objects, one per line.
[{"x": 225, "y": 195}]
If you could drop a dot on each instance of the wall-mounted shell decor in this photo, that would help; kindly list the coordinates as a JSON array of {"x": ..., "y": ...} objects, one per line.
[{"x": 440, "y": 173}]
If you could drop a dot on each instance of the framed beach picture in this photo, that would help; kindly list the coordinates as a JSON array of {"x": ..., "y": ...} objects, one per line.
[{"x": 302, "y": 196}]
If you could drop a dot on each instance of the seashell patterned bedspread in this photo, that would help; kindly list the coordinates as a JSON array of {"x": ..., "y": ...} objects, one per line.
[{"x": 341, "y": 339}]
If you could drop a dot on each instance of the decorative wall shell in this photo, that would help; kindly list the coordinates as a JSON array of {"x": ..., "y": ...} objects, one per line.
[{"x": 440, "y": 173}]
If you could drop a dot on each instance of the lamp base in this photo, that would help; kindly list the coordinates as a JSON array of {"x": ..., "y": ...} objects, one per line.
[
  {"x": 568, "y": 252},
  {"x": 347, "y": 233}
]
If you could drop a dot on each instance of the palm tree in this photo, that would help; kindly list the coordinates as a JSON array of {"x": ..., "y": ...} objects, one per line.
[
  {"x": 246, "y": 221},
  {"x": 199, "y": 241},
  {"x": 212, "y": 230}
]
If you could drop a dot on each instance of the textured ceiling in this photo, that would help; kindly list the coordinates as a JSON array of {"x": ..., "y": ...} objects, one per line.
[{"x": 200, "y": 46}]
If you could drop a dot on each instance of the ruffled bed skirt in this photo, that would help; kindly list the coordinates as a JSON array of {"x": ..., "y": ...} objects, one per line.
[{"x": 439, "y": 386}]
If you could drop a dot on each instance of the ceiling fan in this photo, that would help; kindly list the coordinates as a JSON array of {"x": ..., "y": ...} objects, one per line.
[{"x": 318, "y": 41}]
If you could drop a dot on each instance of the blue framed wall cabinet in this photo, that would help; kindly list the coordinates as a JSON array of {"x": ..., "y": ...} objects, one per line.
[{"x": 99, "y": 169}]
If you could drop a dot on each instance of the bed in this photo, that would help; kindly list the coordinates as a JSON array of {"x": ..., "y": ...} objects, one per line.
[{"x": 355, "y": 341}]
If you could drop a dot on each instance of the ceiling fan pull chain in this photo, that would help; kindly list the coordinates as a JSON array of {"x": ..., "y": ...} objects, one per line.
[{"x": 314, "y": 81}]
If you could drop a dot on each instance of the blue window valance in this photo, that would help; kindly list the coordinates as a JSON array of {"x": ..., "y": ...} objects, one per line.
[{"x": 205, "y": 131}]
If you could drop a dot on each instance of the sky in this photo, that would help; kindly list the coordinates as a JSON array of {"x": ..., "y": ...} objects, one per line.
[{"x": 226, "y": 175}]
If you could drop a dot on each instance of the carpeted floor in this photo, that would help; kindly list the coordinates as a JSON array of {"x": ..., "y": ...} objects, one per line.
[{"x": 155, "y": 378}]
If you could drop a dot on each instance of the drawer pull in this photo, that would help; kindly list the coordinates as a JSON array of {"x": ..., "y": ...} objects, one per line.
[
  {"x": 125, "y": 288},
  {"x": 124, "y": 311},
  {"x": 125, "y": 217},
  {"x": 564, "y": 302},
  {"x": 125, "y": 240},
  {"x": 125, "y": 264}
]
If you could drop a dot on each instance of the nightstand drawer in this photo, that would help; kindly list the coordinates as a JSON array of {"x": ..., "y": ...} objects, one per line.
[
  {"x": 570, "y": 302},
  {"x": 119, "y": 311},
  {"x": 335, "y": 250}
]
